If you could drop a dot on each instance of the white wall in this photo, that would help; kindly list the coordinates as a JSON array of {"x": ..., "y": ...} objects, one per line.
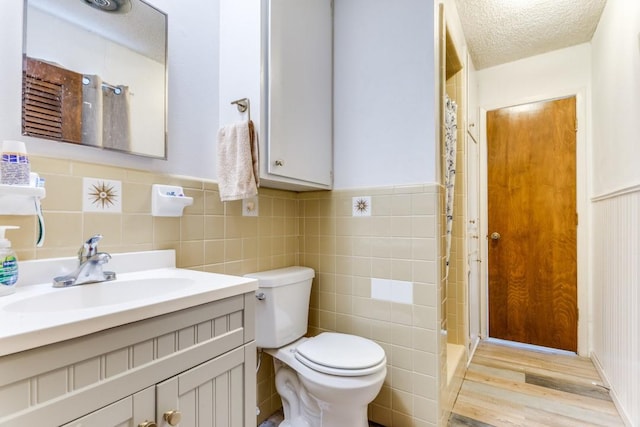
[
  {"x": 193, "y": 92},
  {"x": 616, "y": 92},
  {"x": 384, "y": 93},
  {"x": 616, "y": 183},
  {"x": 556, "y": 74},
  {"x": 559, "y": 73},
  {"x": 240, "y": 74}
]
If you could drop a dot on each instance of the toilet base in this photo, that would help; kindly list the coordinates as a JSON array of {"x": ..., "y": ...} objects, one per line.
[
  {"x": 301, "y": 409},
  {"x": 346, "y": 416}
]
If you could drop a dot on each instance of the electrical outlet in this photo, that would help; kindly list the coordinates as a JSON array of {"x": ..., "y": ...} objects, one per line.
[{"x": 250, "y": 206}]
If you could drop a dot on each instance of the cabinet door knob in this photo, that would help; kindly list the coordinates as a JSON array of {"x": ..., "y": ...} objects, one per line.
[
  {"x": 148, "y": 424},
  {"x": 279, "y": 162},
  {"x": 173, "y": 417}
]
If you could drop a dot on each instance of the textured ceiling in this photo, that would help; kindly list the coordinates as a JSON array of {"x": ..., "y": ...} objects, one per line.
[
  {"x": 143, "y": 29},
  {"x": 500, "y": 31}
]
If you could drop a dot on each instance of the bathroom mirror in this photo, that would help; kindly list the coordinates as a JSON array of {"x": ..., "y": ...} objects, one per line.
[{"x": 94, "y": 73}]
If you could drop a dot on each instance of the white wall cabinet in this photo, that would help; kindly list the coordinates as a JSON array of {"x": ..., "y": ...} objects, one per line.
[
  {"x": 278, "y": 53},
  {"x": 199, "y": 362}
]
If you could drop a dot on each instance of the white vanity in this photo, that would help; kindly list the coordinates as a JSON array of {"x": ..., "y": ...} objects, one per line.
[{"x": 162, "y": 346}]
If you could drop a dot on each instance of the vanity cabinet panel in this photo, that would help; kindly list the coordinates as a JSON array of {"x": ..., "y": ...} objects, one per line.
[
  {"x": 210, "y": 394},
  {"x": 128, "y": 412},
  {"x": 106, "y": 375}
]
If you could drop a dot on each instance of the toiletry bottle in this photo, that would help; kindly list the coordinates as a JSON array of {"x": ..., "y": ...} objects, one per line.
[
  {"x": 8, "y": 263},
  {"x": 14, "y": 163}
]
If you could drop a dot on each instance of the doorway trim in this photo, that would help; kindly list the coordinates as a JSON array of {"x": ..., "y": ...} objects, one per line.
[{"x": 582, "y": 186}]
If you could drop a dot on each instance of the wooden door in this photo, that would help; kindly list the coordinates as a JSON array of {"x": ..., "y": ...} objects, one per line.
[{"x": 531, "y": 160}]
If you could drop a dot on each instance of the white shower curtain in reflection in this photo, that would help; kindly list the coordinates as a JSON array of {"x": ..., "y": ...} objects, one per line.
[
  {"x": 116, "y": 126},
  {"x": 451, "y": 139},
  {"x": 92, "y": 110},
  {"x": 105, "y": 114}
]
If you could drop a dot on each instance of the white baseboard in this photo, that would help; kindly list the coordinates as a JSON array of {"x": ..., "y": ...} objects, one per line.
[
  {"x": 472, "y": 350},
  {"x": 612, "y": 392}
]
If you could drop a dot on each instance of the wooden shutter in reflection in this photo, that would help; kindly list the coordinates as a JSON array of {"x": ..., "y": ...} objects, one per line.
[{"x": 51, "y": 102}]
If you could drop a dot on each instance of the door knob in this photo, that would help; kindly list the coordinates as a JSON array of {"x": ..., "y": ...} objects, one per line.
[
  {"x": 148, "y": 424},
  {"x": 173, "y": 417},
  {"x": 495, "y": 236}
]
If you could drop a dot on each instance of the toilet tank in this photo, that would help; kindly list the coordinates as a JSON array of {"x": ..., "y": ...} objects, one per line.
[{"x": 282, "y": 305}]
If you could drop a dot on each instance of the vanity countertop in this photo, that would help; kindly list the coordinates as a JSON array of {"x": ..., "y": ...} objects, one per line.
[{"x": 39, "y": 314}]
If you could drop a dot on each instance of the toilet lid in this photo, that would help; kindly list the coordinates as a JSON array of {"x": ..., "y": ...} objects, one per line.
[{"x": 341, "y": 354}]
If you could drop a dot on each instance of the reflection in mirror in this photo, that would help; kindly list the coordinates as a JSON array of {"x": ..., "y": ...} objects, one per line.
[{"x": 94, "y": 73}]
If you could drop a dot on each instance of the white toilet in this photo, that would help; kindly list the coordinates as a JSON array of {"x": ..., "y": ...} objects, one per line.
[{"x": 324, "y": 381}]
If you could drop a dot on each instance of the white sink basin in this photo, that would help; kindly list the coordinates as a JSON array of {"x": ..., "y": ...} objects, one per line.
[
  {"x": 90, "y": 296},
  {"x": 148, "y": 285}
]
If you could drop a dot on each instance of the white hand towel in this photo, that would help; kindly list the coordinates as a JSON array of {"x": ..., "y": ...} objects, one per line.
[{"x": 237, "y": 167}]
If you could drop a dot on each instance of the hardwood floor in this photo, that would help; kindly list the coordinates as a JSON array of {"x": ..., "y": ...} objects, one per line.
[{"x": 507, "y": 385}]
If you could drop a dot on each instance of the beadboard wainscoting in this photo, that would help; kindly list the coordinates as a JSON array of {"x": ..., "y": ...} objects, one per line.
[{"x": 616, "y": 296}]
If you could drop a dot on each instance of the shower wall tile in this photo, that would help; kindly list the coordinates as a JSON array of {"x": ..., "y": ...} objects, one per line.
[{"x": 453, "y": 288}]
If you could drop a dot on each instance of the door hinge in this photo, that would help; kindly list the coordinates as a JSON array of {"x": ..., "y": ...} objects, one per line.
[
  {"x": 576, "y": 124},
  {"x": 577, "y": 218}
]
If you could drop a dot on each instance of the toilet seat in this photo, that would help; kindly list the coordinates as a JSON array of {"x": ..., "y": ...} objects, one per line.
[{"x": 341, "y": 355}]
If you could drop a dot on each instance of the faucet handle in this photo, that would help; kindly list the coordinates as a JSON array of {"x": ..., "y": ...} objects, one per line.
[
  {"x": 100, "y": 258},
  {"x": 89, "y": 248}
]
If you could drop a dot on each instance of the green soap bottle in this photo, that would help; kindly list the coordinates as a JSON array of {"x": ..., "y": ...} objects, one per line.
[{"x": 8, "y": 263}]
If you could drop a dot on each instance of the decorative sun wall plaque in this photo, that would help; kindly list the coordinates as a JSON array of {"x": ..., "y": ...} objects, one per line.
[
  {"x": 361, "y": 206},
  {"x": 101, "y": 195}
]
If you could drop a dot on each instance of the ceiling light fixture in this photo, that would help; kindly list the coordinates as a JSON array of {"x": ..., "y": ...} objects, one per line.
[{"x": 111, "y": 6}]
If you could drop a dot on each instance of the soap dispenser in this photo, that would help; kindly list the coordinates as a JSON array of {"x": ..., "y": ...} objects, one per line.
[{"x": 8, "y": 263}]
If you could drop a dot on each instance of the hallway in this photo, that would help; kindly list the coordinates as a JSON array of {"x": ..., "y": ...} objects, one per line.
[{"x": 508, "y": 385}]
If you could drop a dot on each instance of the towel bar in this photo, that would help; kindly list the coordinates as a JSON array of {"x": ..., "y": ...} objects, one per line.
[{"x": 243, "y": 106}]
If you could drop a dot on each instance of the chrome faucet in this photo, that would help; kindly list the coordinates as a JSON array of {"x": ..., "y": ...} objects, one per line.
[{"x": 90, "y": 263}]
